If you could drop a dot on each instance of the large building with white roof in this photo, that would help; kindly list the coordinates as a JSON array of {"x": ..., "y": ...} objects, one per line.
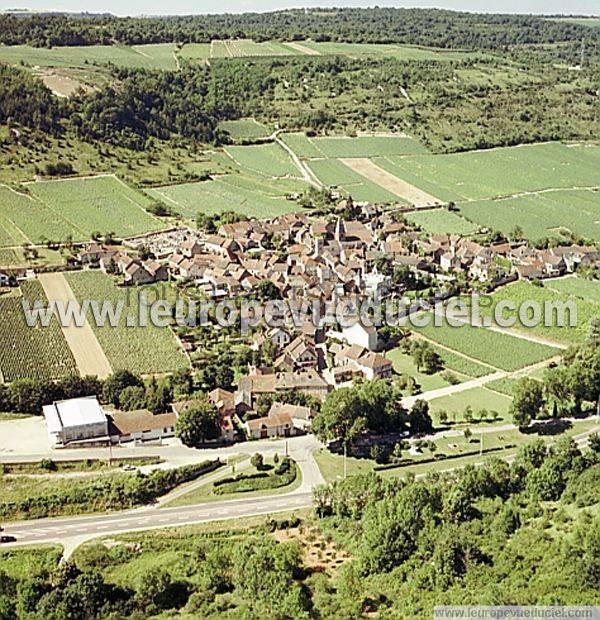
[{"x": 76, "y": 420}]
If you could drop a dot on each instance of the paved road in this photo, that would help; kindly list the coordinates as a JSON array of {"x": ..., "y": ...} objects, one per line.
[{"x": 82, "y": 528}]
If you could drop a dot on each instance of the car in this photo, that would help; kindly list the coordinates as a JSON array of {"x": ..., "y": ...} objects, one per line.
[
  {"x": 7, "y": 539},
  {"x": 129, "y": 468}
]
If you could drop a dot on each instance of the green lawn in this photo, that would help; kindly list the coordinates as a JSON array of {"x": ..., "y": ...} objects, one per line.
[
  {"x": 144, "y": 350},
  {"x": 27, "y": 562},
  {"x": 477, "y": 398}
]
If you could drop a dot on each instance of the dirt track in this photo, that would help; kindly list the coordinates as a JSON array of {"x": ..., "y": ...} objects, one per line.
[
  {"x": 82, "y": 341},
  {"x": 391, "y": 183}
]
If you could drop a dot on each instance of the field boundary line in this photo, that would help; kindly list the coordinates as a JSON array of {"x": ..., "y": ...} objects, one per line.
[
  {"x": 299, "y": 47},
  {"x": 72, "y": 178},
  {"x": 307, "y": 174}
]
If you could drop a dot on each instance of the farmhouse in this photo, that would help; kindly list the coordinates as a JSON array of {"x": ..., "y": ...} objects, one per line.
[{"x": 76, "y": 421}]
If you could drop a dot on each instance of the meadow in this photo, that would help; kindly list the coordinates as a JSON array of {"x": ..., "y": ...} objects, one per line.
[
  {"x": 143, "y": 350},
  {"x": 550, "y": 214},
  {"x": 520, "y": 292},
  {"x": 439, "y": 221},
  {"x": 254, "y": 196},
  {"x": 504, "y": 352},
  {"x": 268, "y": 159},
  {"x": 477, "y": 399},
  {"x": 31, "y": 352}
]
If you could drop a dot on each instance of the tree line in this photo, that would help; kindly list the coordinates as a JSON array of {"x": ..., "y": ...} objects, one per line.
[{"x": 429, "y": 27}]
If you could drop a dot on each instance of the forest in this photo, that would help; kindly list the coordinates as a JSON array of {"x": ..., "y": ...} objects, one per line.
[{"x": 429, "y": 27}]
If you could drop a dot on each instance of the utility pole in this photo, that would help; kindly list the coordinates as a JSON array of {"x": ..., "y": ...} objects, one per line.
[
  {"x": 481, "y": 443},
  {"x": 345, "y": 465}
]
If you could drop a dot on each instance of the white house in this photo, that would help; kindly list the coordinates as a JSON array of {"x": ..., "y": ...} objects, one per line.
[
  {"x": 362, "y": 335},
  {"x": 141, "y": 425},
  {"x": 76, "y": 420}
]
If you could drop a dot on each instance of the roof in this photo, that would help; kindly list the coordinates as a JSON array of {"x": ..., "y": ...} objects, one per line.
[
  {"x": 127, "y": 422},
  {"x": 273, "y": 420},
  {"x": 72, "y": 413}
]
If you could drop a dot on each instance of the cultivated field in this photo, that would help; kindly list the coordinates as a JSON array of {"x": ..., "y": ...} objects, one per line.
[
  {"x": 143, "y": 350},
  {"x": 403, "y": 190},
  {"x": 520, "y": 292},
  {"x": 500, "y": 351},
  {"x": 476, "y": 175},
  {"x": 548, "y": 214},
  {"x": 245, "y": 129},
  {"x": 401, "y": 52},
  {"x": 581, "y": 288},
  {"x": 439, "y": 221},
  {"x": 361, "y": 146},
  {"x": 268, "y": 159},
  {"x": 87, "y": 352},
  {"x": 254, "y": 196},
  {"x": 240, "y": 48},
  {"x": 96, "y": 204},
  {"x": 159, "y": 56},
  {"x": 31, "y": 352},
  {"x": 334, "y": 173}
]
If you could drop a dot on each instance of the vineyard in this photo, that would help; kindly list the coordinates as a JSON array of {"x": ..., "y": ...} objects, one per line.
[
  {"x": 255, "y": 196},
  {"x": 268, "y": 159},
  {"x": 440, "y": 221},
  {"x": 520, "y": 292},
  {"x": 97, "y": 204},
  {"x": 245, "y": 129},
  {"x": 143, "y": 350},
  {"x": 497, "y": 350},
  {"x": 31, "y": 352}
]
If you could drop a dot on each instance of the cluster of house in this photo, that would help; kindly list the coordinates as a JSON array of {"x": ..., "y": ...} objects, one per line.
[{"x": 320, "y": 260}]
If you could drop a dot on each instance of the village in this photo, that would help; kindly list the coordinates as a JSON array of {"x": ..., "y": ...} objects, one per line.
[{"x": 359, "y": 252}]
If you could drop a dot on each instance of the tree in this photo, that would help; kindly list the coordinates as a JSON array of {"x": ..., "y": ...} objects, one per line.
[
  {"x": 133, "y": 398},
  {"x": 257, "y": 461},
  {"x": 116, "y": 383},
  {"x": 528, "y": 400},
  {"x": 419, "y": 419},
  {"x": 198, "y": 424},
  {"x": 468, "y": 433},
  {"x": 341, "y": 416},
  {"x": 443, "y": 416}
]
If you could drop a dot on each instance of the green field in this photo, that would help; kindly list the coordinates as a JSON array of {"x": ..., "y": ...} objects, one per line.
[
  {"x": 56, "y": 210},
  {"x": 253, "y": 196},
  {"x": 438, "y": 221},
  {"x": 361, "y": 146},
  {"x": 159, "y": 56},
  {"x": 401, "y": 52},
  {"x": 550, "y": 214},
  {"x": 143, "y": 350},
  {"x": 335, "y": 174},
  {"x": 498, "y": 350},
  {"x": 477, "y": 175},
  {"x": 31, "y": 352},
  {"x": 404, "y": 365},
  {"x": 582, "y": 288},
  {"x": 476, "y": 398},
  {"x": 268, "y": 159},
  {"x": 520, "y": 292},
  {"x": 245, "y": 129}
]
